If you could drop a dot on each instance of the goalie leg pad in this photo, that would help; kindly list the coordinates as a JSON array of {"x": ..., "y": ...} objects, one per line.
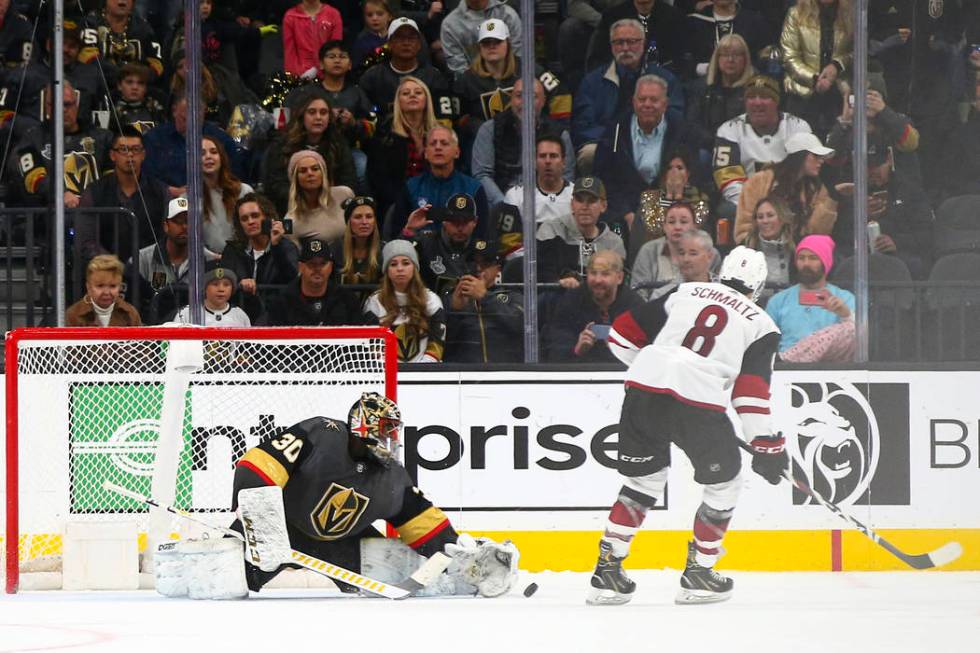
[
  {"x": 490, "y": 566},
  {"x": 392, "y": 561},
  {"x": 201, "y": 569}
]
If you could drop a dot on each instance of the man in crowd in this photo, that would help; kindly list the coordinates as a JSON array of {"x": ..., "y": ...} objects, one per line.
[
  {"x": 579, "y": 326},
  {"x": 816, "y": 318},
  {"x": 311, "y": 300},
  {"x": 663, "y": 32},
  {"x": 752, "y": 141},
  {"x": 449, "y": 254},
  {"x": 162, "y": 266}
]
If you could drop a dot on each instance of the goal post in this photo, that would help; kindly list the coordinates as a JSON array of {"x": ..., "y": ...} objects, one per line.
[{"x": 85, "y": 406}]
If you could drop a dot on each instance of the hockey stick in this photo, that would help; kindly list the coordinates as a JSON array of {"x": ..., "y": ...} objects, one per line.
[
  {"x": 424, "y": 575},
  {"x": 944, "y": 555}
]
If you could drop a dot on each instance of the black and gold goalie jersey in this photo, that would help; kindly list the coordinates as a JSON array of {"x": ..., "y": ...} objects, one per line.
[{"x": 330, "y": 495}]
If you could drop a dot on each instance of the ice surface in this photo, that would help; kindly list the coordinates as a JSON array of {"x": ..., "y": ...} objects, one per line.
[{"x": 935, "y": 612}]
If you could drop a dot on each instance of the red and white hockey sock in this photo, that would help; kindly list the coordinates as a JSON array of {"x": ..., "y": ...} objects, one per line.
[
  {"x": 709, "y": 530},
  {"x": 625, "y": 518}
]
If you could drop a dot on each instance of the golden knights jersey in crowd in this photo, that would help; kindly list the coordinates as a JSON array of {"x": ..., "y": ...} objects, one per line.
[
  {"x": 484, "y": 97},
  {"x": 330, "y": 494},
  {"x": 703, "y": 344},
  {"x": 135, "y": 44}
]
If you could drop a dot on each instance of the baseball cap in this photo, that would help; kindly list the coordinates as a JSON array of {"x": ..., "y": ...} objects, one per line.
[
  {"x": 805, "y": 142},
  {"x": 763, "y": 85},
  {"x": 399, "y": 23},
  {"x": 177, "y": 206},
  {"x": 493, "y": 29},
  {"x": 460, "y": 207},
  {"x": 487, "y": 252},
  {"x": 315, "y": 248},
  {"x": 591, "y": 185},
  {"x": 877, "y": 150},
  {"x": 352, "y": 203}
]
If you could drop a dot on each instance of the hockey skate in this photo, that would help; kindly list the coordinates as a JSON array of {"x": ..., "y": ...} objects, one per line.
[
  {"x": 610, "y": 585},
  {"x": 702, "y": 584}
]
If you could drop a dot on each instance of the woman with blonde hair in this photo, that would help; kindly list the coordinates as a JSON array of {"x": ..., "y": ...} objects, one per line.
[
  {"x": 774, "y": 232},
  {"x": 223, "y": 190},
  {"x": 407, "y": 307},
  {"x": 102, "y": 305},
  {"x": 396, "y": 153},
  {"x": 720, "y": 95},
  {"x": 814, "y": 83},
  {"x": 314, "y": 206},
  {"x": 357, "y": 256}
]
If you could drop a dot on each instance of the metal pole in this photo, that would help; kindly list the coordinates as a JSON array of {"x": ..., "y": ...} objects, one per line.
[
  {"x": 195, "y": 182},
  {"x": 58, "y": 158},
  {"x": 860, "y": 165},
  {"x": 528, "y": 178}
]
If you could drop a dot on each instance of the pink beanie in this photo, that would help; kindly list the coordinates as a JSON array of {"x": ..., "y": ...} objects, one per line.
[
  {"x": 302, "y": 154},
  {"x": 822, "y": 246}
]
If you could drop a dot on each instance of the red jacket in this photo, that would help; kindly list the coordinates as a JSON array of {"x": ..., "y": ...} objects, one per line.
[{"x": 303, "y": 36}]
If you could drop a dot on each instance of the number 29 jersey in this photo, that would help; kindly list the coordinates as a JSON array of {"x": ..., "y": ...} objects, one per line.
[{"x": 704, "y": 344}]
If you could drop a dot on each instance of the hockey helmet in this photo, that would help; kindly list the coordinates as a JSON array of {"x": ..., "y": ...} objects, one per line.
[
  {"x": 744, "y": 269},
  {"x": 377, "y": 420}
]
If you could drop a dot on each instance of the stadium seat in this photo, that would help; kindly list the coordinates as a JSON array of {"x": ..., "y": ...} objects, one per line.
[
  {"x": 957, "y": 227},
  {"x": 954, "y": 302}
]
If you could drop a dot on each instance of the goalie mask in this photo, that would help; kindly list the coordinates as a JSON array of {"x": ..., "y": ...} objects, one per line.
[
  {"x": 377, "y": 420},
  {"x": 744, "y": 270}
]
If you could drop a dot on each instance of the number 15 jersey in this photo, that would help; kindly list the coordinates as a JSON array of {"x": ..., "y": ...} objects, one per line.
[{"x": 703, "y": 344}]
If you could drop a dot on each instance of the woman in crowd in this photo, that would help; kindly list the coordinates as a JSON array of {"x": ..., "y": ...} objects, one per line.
[
  {"x": 774, "y": 233},
  {"x": 795, "y": 180},
  {"x": 818, "y": 45},
  {"x": 357, "y": 256},
  {"x": 101, "y": 305},
  {"x": 259, "y": 254},
  {"x": 310, "y": 127},
  {"x": 656, "y": 262},
  {"x": 720, "y": 95},
  {"x": 674, "y": 185},
  {"x": 314, "y": 206},
  {"x": 407, "y": 307},
  {"x": 396, "y": 153},
  {"x": 222, "y": 190}
]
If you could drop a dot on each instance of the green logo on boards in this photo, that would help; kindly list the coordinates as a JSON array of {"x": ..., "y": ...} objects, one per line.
[{"x": 114, "y": 430}]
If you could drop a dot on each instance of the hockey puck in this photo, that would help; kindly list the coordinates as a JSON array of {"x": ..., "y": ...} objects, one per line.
[{"x": 530, "y": 590}]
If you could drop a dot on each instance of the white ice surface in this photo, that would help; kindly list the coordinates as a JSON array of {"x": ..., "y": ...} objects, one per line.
[{"x": 793, "y": 612}]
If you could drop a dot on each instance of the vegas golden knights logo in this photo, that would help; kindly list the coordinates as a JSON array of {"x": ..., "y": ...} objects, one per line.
[{"x": 338, "y": 512}]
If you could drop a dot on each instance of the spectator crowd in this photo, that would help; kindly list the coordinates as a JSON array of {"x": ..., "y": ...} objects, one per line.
[{"x": 362, "y": 161}]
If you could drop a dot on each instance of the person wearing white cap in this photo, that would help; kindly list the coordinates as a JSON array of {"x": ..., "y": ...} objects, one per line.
[
  {"x": 795, "y": 179},
  {"x": 461, "y": 30}
]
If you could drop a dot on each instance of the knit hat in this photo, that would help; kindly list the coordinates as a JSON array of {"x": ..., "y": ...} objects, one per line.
[
  {"x": 822, "y": 246},
  {"x": 302, "y": 154},
  {"x": 399, "y": 248},
  {"x": 220, "y": 273}
]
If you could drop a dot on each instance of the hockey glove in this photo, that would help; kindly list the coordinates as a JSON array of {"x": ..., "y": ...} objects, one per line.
[{"x": 769, "y": 459}]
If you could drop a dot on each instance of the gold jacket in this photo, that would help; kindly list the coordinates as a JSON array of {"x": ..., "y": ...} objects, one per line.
[{"x": 801, "y": 53}]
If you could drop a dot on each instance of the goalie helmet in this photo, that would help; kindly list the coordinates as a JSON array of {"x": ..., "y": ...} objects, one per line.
[
  {"x": 744, "y": 270},
  {"x": 377, "y": 420}
]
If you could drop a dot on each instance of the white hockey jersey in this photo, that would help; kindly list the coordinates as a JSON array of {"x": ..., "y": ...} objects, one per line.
[
  {"x": 704, "y": 344},
  {"x": 740, "y": 151}
]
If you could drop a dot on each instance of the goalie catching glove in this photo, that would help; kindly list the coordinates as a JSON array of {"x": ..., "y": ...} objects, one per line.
[
  {"x": 769, "y": 458},
  {"x": 489, "y": 566}
]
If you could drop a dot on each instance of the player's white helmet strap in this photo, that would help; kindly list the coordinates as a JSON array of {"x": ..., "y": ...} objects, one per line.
[
  {"x": 377, "y": 419},
  {"x": 747, "y": 268}
]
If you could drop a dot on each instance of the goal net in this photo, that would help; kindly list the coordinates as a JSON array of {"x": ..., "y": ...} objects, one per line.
[{"x": 85, "y": 406}]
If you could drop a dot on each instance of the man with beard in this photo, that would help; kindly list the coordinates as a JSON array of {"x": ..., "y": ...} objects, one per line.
[
  {"x": 310, "y": 300},
  {"x": 579, "y": 326},
  {"x": 816, "y": 318}
]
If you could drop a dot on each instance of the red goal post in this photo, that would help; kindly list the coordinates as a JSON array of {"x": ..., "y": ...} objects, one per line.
[{"x": 84, "y": 406}]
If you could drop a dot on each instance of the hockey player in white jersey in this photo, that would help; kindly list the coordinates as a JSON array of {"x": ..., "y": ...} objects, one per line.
[{"x": 689, "y": 353}]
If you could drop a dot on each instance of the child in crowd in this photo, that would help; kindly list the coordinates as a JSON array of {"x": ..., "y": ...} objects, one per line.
[
  {"x": 377, "y": 17},
  {"x": 134, "y": 107},
  {"x": 219, "y": 286}
]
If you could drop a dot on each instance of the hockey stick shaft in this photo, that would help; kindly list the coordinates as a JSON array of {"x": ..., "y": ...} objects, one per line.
[
  {"x": 941, "y": 556},
  {"x": 332, "y": 571}
]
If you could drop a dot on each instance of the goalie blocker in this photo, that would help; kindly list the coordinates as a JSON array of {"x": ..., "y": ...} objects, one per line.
[{"x": 336, "y": 478}]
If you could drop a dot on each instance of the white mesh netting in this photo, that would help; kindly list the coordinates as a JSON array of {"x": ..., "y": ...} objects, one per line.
[{"x": 90, "y": 411}]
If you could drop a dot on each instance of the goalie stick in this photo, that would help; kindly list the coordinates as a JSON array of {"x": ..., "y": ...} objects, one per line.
[
  {"x": 424, "y": 575},
  {"x": 944, "y": 555}
]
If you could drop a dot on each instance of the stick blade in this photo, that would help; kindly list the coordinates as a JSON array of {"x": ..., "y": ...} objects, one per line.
[{"x": 946, "y": 554}]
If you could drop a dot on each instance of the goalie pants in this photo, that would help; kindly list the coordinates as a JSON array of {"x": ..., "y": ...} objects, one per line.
[{"x": 344, "y": 552}]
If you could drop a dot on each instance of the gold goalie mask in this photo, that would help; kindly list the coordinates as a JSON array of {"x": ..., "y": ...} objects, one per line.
[{"x": 377, "y": 420}]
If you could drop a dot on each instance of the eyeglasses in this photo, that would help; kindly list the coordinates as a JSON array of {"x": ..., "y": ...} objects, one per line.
[
  {"x": 336, "y": 56},
  {"x": 618, "y": 43},
  {"x": 128, "y": 149}
]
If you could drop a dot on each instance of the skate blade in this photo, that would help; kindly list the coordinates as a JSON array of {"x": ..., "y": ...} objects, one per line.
[
  {"x": 607, "y": 597},
  {"x": 693, "y": 597}
]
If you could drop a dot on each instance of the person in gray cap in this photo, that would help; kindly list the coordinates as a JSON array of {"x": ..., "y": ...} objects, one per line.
[
  {"x": 403, "y": 304},
  {"x": 311, "y": 300},
  {"x": 219, "y": 286}
]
